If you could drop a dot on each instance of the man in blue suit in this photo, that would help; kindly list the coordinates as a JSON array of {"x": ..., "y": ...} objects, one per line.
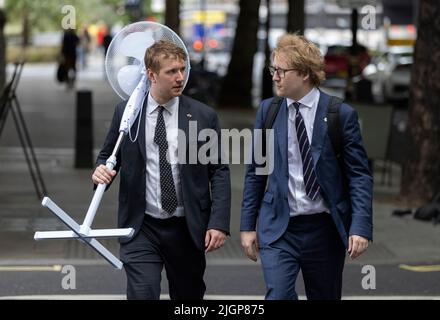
[
  {"x": 180, "y": 210},
  {"x": 313, "y": 207}
]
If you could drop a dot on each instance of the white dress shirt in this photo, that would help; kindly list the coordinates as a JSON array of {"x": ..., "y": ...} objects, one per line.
[
  {"x": 299, "y": 202},
  {"x": 153, "y": 193}
]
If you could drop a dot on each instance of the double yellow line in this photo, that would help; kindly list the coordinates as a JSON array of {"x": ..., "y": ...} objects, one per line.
[
  {"x": 431, "y": 268},
  {"x": 55, "y": 268}
]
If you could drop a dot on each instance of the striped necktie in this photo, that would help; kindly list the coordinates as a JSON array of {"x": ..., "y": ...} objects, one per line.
[{"x": 309, "y": 175}]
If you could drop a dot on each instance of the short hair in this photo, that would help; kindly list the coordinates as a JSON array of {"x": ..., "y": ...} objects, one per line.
[
  {"x": 303, "y": 55},
  {"x": 162, "y": 50}
]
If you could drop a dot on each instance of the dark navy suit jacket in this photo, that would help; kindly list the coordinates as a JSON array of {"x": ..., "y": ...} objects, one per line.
[
  {"x": 347, "y": 190},
  {"x": 206, "y": 188}
]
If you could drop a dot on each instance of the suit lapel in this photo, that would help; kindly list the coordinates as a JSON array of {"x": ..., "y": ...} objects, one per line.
[
  {"x": 280, "y": 127},
  {"x": 184, "y": 111},
  {"x": 319, "y": 127},
  {"x": 184, "y": 116}
]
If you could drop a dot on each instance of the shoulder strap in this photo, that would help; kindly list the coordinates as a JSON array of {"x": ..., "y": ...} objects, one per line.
[
  {"x": 270, "y": 118},
  {"x": 272, "y": 112},
  {"x": 334, "y": 126}
]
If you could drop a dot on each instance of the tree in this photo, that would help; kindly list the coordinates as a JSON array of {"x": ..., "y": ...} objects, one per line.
[
  {"x": 295, "y": 16},
  {"x": 237, "y": 84},
  {"x": 172, "y": 12},
  {"x": 47, "y": 14},
  {"x": 2, "y": 51},
  {"x": 34, "y": 15},
  {"x": 421, "y": 170},
  {"x": 267, "y": 84}
]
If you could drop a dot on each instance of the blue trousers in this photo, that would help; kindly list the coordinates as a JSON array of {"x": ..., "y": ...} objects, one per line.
[{"x": 311, "y": 244}]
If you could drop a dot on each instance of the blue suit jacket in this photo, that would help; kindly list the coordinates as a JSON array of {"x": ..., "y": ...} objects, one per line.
[{"x": 348, "y": 192}]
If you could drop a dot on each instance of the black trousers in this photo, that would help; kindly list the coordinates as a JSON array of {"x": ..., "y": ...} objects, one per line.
[{"x": 163, "y": 243}]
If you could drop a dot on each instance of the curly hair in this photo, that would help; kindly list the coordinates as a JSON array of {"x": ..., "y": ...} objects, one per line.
[{"x": 302, "y": 55}]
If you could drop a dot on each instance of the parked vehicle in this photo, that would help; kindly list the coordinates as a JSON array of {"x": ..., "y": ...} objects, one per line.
[
  {"x": 337, "y": 64},
  {"x": 390, "y": 74}
]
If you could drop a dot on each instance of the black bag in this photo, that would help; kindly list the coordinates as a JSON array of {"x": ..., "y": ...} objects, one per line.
[
  {"x": 62, "y": 72},
  {"x": 430, "y": 211}
]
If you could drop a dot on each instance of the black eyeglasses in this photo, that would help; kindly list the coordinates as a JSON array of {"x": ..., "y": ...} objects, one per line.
[{"x": 280, "y": 72}]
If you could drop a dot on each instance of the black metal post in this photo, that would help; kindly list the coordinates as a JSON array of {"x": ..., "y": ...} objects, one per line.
[{"x": 84, "y": 130}]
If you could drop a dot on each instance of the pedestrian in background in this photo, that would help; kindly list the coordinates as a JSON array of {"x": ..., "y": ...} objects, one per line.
[
  {"x": 69, "y": 55},
  {"x": 84, "y": 47}
]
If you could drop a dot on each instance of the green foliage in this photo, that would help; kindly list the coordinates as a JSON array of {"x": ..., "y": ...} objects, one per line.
[
  {"x": 40, "y": 13},
  {"x": 44, "y": 15},
  {"x": 32, "y": 54}
]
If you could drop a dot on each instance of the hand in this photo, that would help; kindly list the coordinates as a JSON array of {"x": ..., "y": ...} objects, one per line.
[
  {"x": 248, "y": 242},
  {"x": 103, "y": 175},
  {"x": 214, "y": 239},
  {"x": 356, "y": 246}
]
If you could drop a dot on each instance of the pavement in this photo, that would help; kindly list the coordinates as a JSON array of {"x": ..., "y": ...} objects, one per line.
[{"x": 49, "y": 111}]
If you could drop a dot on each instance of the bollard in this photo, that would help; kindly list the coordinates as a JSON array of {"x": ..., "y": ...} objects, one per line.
[{"x": 84, "y": 130}]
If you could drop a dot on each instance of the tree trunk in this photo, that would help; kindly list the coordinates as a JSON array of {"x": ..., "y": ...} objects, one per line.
[
  {"x": 296, "y": 17},
  {"x": 172, "y": 12},
  {"x": 421, "y": 171},
  {"x": 25, "y": 31},
  {"x": 267, "y": 88},
  {"x": 2, "y": 51},
  {"x": 236, "y": 88},
  {"x": 353, "y": 61}
]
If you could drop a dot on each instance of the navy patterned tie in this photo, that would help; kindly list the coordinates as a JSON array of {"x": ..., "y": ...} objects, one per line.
[
  {"x": 167, "y": 188},
  {"x": 309, "y": 175}
]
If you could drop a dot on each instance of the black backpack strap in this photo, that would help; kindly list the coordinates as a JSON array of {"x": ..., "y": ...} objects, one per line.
[
  {"x": 270, "y": 119},
  {"x": 334, "y": 126},
  {"x": 272, "y": 112}
]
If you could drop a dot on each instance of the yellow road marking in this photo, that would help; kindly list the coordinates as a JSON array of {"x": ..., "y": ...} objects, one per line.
[
  {"x": 56, "y": 268},
  {"x": 431, "y": 268}
]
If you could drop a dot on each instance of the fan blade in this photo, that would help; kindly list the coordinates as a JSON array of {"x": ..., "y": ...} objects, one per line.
[
  {"x": 135, "y": 44},
  {"x": 129, "y": 77},
  {"x": 128, "y": 48}
]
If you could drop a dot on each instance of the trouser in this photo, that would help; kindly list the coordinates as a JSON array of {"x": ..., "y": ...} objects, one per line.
[
  {"x": 163, "y": 243},
  {"x": 311, "y": 244}
]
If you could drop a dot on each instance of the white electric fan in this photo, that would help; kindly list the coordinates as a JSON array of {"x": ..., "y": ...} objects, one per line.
[{"x": 124, "y": 65}]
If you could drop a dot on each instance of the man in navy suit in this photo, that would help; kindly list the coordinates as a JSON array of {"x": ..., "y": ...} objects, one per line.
[
  {"x": 180, "y": 210},
  {"x": 315, "y": 207}
]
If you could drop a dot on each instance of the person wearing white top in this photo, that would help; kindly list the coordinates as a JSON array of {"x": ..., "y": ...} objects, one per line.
[
  {"x": 180, "y": 211},
  {"x": 316, "y": 205}
]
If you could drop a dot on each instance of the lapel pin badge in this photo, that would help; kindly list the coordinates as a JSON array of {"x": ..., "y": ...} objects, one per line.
[
  {"x": 325, "y": 119},
  {"x": 189, "y": 115}
]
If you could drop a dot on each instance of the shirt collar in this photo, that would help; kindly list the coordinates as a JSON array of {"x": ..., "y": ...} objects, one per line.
[
  {"x": 307, "y": 100},
  {"x": 170, "y": 106}
]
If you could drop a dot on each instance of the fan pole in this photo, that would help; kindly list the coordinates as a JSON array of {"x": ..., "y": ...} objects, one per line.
[
  {"x": 96, "y": 200},
  {"x": 84, "y": 232}
]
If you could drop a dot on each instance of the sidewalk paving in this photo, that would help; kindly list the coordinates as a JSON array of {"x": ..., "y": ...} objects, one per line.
[{"x": 49, "y": 111}]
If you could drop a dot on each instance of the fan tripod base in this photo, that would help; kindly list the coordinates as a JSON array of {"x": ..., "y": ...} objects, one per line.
[{"x": 79, "y": 234}]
